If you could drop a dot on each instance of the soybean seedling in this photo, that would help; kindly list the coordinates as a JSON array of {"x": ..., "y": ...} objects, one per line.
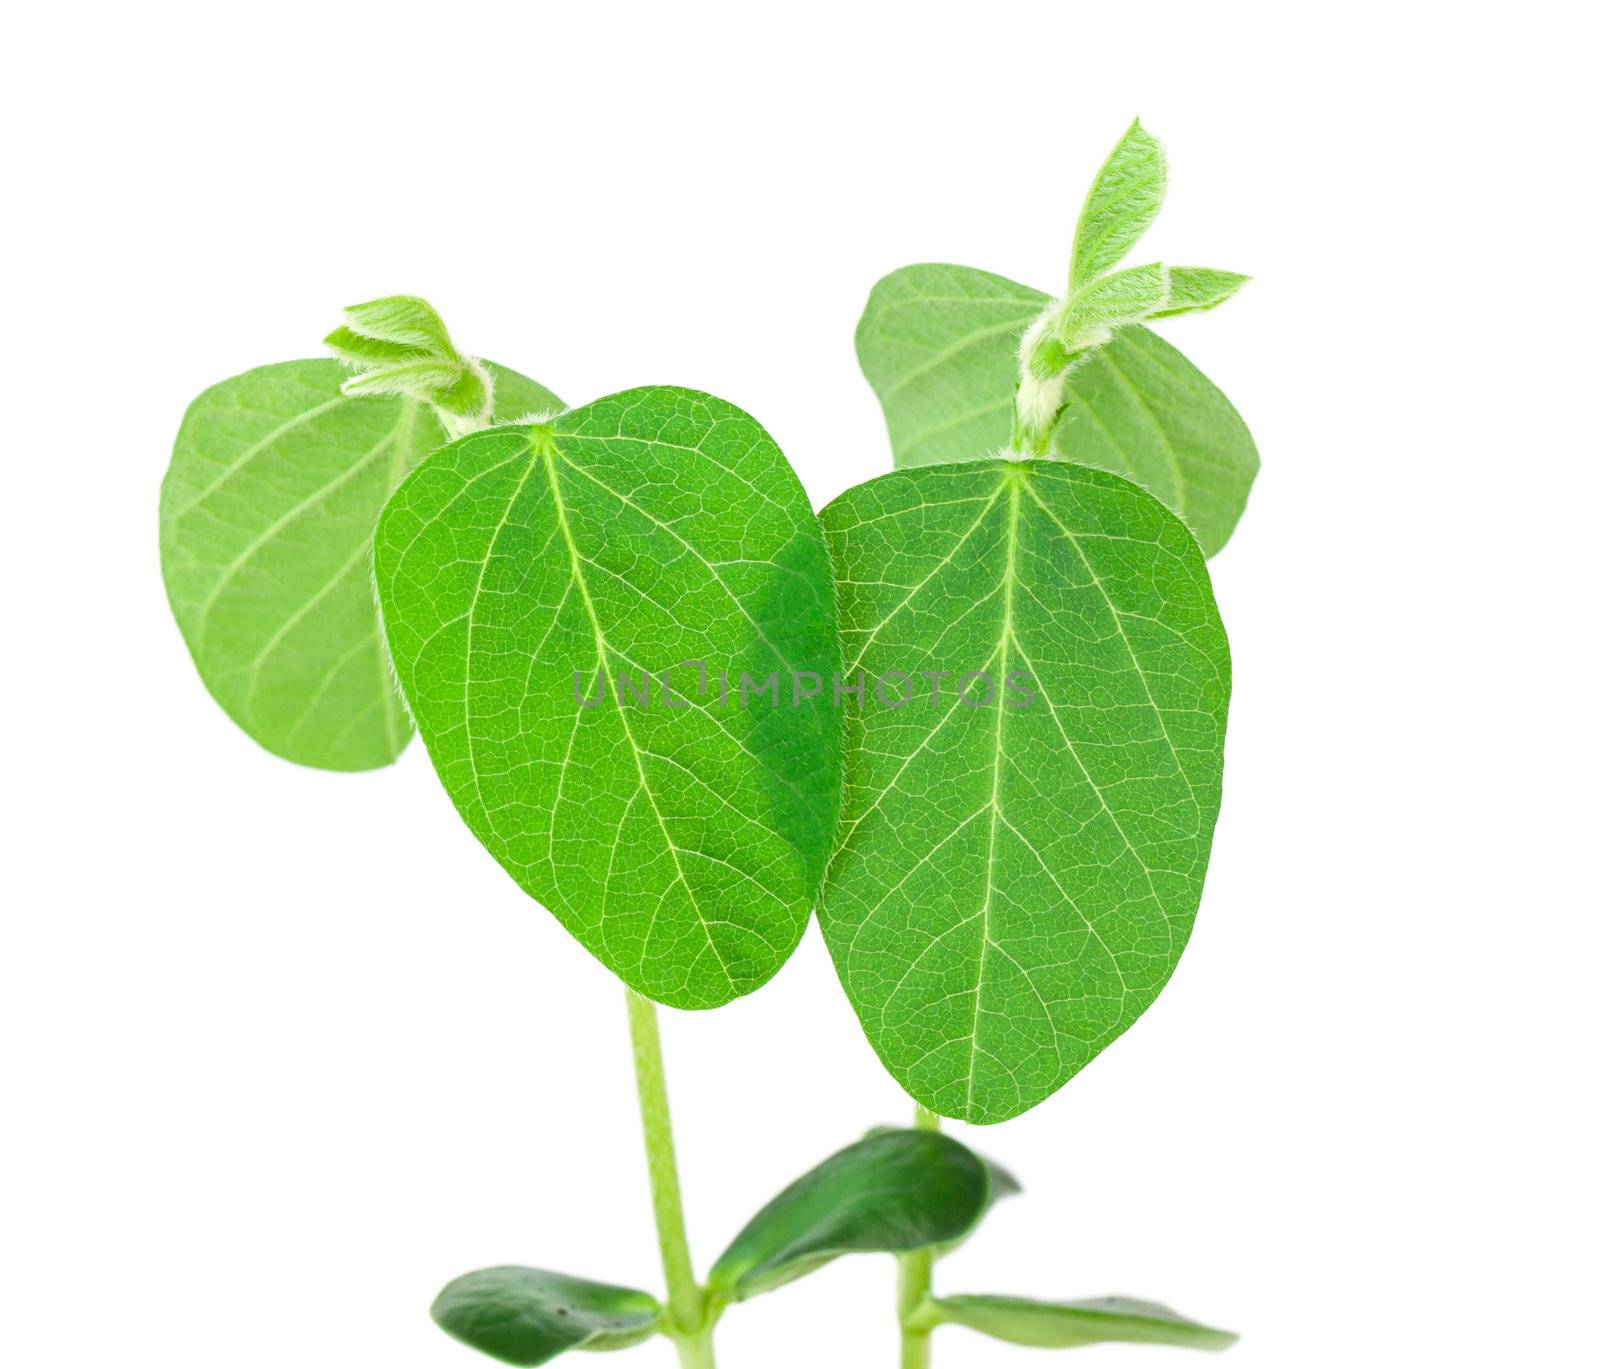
[{"x": 973, "y": 714}]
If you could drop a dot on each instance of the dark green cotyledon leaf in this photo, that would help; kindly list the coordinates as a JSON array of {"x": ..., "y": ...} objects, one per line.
[
  {"x": 939, "y": 346},
  {"x": 1002, "y": 1184},
  {"x": 267, "y": 513},
  {"x": 529, "y": 1316},
  {"x": 894, "y": 1190},
  {"x": 680, "y": 837},
  {"x": 1017, "y": 872},
  {"x": 1065, "y": 1325}
]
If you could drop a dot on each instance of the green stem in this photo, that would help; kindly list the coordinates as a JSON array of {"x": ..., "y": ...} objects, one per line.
[
  {"x": 916, "y": 1286},
  {"x": 688, "y": 1322},
  {"x": 1041, "y": 384}
]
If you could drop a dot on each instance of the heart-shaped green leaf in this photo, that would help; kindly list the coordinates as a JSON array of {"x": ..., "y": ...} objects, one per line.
[
  {"x": 1032, "y": 775},
  {"x": 529, "y": 1316},
  {"x": 939, "y": 345},
  {"x": 267, "y": 513},
  {"x": 895, "y": 1190},
  {"x": 1065, "y": 1325},
  {"x": 537, "y": 583}
]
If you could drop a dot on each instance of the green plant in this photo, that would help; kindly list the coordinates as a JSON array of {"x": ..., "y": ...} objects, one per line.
[
  {"x": 682, "y": 711},
  {"x": 941, "y": 345}
]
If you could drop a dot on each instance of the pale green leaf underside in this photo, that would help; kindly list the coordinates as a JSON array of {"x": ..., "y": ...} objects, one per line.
[
  {"x": 939, "y": 345},
  {"x": 267, "y": 513},
  {"x": 1067, "y": 1325},
  {"x": 682, "y": 845},
  {"x": 1012, "y": 886}
]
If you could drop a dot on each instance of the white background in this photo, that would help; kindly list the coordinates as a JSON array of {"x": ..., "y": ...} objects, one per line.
[{"x": 284, "y": 1051}]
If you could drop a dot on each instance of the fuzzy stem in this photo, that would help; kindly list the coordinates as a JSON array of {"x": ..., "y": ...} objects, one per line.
[
  {"x": 916, "y": 1285},
  {"x": 687, "y": 1320},
  {"x": 1041, "y": 385},
  {"x": 455, "y": 426}
]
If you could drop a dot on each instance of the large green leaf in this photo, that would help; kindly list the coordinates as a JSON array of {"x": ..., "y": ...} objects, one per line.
[
  {"x": 939, "y": 345},
  {"x": 1065, "y": 1325},
  {"x": 1014, "y": 880},
  {"x": 895, "y": 1190},
  {"x": 680, "y": 838},
  {"x": 529, "y": 1316},
  {"x": 267, "y": 513}
]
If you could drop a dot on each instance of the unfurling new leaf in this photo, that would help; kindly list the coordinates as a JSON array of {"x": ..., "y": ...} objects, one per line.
[
  {"x": 1123, "y": 201},
  {"x": 969, "y": 364},
  {"x": 1109, "y": 303},
  {"x": 1193, "y": 289},
  {"x": 399, "y": 346},
  {"x": 939, "y": 345},
  {"x": 616, "y": 633}
]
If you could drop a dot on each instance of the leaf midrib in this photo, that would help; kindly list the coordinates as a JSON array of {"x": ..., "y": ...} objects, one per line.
[
  {"x": 1014, "y": 480},
  {"x": 547, "y": 455}
]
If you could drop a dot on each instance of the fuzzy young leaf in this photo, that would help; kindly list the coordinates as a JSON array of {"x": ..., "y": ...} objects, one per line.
[
  {"x": 267, "y": 512},
  {"x": 358, "y": 350},
  {"x": 895, "y": 1190},
  {"x": 1015, "y": 879},
  {"x": 1066, "y": 1325},
  {"x": 1123, "y": 201},
  {"x": 1112, "y": 302},
  {"x": 403, "y": 320},
  {"x": 1197, "y": 288},
  {"x": 939, "y": 345},
  {"x": 403, "y": 378},
  {"x": 529, "y": 1316},
  {"x": 399, "y": 346},
  {"x": 527, "y": 572}
]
